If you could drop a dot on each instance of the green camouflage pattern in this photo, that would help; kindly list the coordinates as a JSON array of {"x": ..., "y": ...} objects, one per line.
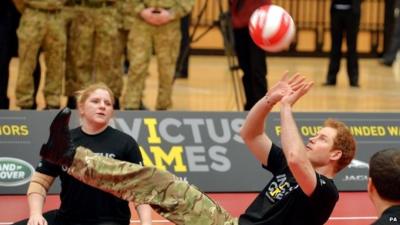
[
  {"x": 70, "y": 85},
  {"x": 93, "y": 33},
  {"x": 142, "y": 39},
  {"x": 165, "y": 40},
  {"x": 120, "y": 48},
  {"x": 125, "y": 10},
  {"x": 174, "y": 199},
  {"x": 121, "y": 42},
  {"x": 39, "y": 29}
]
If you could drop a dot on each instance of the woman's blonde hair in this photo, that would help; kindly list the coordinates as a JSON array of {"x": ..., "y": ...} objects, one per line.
[{"x": 83, "y": 94}]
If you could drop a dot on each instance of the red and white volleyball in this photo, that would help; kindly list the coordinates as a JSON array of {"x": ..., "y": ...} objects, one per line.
[{"x": 271, "y": 28}]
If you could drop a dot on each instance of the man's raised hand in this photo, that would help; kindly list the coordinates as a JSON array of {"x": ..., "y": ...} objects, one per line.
[
  {"x": 284, "y": 86},
  {"x": 299, "y": 89}
]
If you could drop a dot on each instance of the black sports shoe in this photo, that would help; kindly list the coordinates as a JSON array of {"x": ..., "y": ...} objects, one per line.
[
  {"x": 59, "y": 148},
  {"x": 385, "y": 62}
]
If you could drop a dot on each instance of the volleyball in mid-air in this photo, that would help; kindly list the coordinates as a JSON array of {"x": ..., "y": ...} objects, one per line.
[{"x": 271, "y": 28}]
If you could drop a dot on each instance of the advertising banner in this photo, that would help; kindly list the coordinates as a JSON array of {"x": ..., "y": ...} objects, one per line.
[{"x": 203, "y": 148}]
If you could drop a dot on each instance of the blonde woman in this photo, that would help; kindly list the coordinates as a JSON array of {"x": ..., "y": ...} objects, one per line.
[{"x": 80, "y": 203}]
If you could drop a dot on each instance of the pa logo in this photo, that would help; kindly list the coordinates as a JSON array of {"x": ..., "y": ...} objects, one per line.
[{"x": 14, "y": 172}]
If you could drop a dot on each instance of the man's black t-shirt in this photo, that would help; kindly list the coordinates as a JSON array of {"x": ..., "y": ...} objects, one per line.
[
  {"x": 282, "y": 202},
  {"x": 390, "y": 216},
  {"x": 81, "y": 203}
]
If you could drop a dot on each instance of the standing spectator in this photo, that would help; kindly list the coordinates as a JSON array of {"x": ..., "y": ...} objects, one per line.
[
  {"x": 93, "y": 34},
  {"x": 345, "y": 19},
  {"x": 42, "y": 26},
  {"x": 251, "y": 58},
  {"x": 9, "y": 19},
  {"x": 390, "y": 55},
  {"x": 155, "y": 25},
  {"x": 383, "y": 185},
  {"x": 125, "y": 23}
]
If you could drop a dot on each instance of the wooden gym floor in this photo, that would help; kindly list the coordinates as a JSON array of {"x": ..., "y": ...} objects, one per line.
[
  {"x": 347, "y": 210},
  {"x": 210, "y": 88}
]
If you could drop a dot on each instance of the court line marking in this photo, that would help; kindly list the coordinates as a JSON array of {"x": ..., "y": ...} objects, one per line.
[{"x": 354, "y": 218}]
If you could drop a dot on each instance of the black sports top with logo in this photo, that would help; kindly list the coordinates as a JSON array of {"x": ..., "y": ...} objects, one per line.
[
  {"x": 82, "y": 204},
  {"x": 282, "y": 202},
  {"x": 390, "y": 216}
]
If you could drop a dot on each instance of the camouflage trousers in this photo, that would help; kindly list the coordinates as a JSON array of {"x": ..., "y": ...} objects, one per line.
[
  {"x": 142, "y": 39},
  {"x": 92, "y": 36},
  {"x": 172, "y": 198},
  {"x": 46, "y": 31}
]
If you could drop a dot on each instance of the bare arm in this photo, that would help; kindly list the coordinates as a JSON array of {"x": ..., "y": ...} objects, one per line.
[
  {"x": 253, "y": 129},
  {"x": 292, "y": 143},
  {"x": 36, "y": 203},
  {"x": 144, "y": 211},
  {"x": 37, "y": 191}
]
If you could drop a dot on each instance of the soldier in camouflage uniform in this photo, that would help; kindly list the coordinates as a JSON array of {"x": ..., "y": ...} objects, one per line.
[
  {"x": 91, "y": 46},
  {"x": 42, "y": 26},
  {"x": 155, "y": 24}
]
